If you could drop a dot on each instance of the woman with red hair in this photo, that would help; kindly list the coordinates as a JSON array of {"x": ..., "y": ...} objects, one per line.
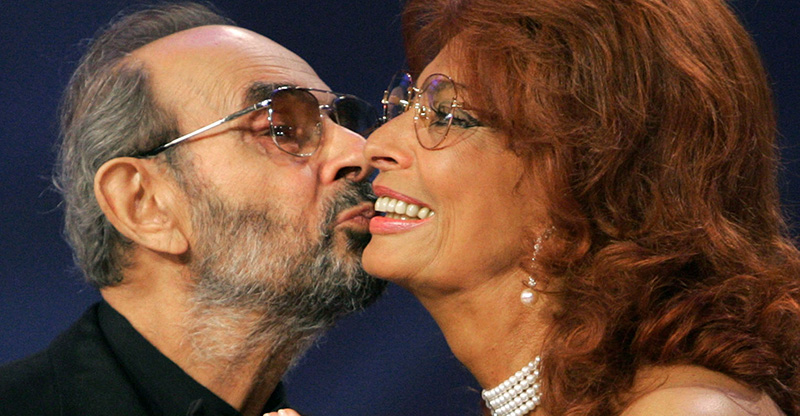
[{"x": 583, "y": 195}]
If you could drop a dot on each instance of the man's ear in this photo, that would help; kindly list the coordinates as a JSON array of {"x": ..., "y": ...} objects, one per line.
[{"x": 142, "y": 204}]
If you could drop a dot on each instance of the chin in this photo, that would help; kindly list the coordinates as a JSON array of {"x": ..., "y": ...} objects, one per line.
[
  {"x": 384, "y": 265},
  {"x": 370, "y": 260}
]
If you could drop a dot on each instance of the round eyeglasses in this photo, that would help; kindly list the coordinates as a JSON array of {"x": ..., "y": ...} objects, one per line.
[
  {"x": 295, "y": 118},
  {"x": 437, "y": 110}
]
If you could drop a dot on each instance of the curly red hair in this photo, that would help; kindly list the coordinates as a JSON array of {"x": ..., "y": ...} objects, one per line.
[{"x": 651, "y": 125}]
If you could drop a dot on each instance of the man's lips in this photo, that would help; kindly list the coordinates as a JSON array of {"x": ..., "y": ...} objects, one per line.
[{"x": 359, "y": 214}]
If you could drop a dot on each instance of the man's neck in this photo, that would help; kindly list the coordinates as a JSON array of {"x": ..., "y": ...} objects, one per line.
[{"x": 161, "y": 311}]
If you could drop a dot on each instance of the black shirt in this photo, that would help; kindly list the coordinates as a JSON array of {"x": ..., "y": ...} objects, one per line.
[{"x": 103, "y": 366}]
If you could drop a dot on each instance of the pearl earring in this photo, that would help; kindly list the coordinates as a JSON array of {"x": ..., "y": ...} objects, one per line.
[{"x": 528, "y": 296}]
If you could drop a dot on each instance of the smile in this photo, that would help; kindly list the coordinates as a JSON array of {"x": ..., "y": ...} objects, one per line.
[{"x": 401, "y": 210}]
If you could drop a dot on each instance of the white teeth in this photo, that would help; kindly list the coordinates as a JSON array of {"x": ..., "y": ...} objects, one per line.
[
  {"x": 397, "y": 216},
  {"x": 382, "y": 202},
  {"x": 424, "y": 212},
  {"x": 401, "y": 210}
]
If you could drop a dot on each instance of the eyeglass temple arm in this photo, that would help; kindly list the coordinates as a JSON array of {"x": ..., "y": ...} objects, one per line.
[{"x": 202, "y": 130}]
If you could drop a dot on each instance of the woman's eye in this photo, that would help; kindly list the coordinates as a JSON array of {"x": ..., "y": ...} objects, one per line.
[
  {"x": 460, "y": 118},
  {"x": 438, "y": 117}
]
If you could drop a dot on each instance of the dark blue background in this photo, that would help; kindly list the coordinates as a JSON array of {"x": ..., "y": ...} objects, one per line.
[{"x": 390, "y": 360}]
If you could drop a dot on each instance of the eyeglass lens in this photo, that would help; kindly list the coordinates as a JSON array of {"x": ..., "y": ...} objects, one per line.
[
  {"x": 296, "y": 118},
  {"x": 435, "y": 110},
  {"x": 295, "y": 121},
  {"x": 354, "y": 114},
  {"x": 433, "y": 106},
  {"x": 397, "y": 95}
]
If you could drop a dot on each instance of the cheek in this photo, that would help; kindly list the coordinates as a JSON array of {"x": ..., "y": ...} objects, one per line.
[
  {"x": 296, "y": 192},
  {"x": 488, "y": 229},
  {"x": 487, "y": 217},
  {"x": 293, "y": 189},
  {"x": 478, "y": 198}
]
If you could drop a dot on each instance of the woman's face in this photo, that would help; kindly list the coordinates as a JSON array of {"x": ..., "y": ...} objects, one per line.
[{"x": 484, "y": 202}]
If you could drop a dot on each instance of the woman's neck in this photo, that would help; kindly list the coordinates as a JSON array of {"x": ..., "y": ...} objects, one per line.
[{"x": 487, "y": 327}]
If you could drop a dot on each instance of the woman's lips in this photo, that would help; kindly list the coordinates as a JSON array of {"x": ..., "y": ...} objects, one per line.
[
  {"x": 386, "y": 225},
  {"x": 399, "y": 209},
  {"x": 384, "y": 191},
  {"x": 402, "y": 213}
]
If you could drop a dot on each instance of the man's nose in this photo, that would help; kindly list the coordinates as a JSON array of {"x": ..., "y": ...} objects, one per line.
[{"x": 343, "y": 155}]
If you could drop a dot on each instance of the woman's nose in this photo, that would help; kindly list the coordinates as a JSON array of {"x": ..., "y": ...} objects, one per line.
[{"x": 391, "y": 145}]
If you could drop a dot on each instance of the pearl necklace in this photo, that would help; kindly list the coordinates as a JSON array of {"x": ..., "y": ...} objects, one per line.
[{"x": 518, "y": 395}]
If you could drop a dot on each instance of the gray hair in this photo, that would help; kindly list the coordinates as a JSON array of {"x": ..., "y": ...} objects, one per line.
[{"x": 108, "y": 111}]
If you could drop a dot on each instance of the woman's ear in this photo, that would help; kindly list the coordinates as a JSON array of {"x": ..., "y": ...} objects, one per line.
[{"x": 142, "y": 204}]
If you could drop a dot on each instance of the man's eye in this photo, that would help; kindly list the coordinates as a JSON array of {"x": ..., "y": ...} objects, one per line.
[{"x": 282, "y": 131}]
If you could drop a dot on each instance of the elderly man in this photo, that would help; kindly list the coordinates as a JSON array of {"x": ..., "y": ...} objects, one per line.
[{"x": 214, "y": 193}]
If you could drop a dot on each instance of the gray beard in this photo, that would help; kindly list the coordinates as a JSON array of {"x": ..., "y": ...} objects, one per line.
[{"x": 263, "y": 288}]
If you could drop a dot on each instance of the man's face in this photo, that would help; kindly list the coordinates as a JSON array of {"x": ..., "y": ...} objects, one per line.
[
  {"x": 206, "y": 73},
  {"x": 260, "y": 260},
  {"x": 259, "y": 217}
]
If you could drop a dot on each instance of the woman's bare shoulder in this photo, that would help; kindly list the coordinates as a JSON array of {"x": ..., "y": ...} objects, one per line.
[{"x": 695, "y": 391}]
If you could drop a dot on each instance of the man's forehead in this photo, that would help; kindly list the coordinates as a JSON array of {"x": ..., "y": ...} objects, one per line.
[{"x": 221, "y": 61}]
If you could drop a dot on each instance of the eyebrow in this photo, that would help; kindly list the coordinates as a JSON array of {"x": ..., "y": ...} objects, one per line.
[{"x": 260, "y": 91}]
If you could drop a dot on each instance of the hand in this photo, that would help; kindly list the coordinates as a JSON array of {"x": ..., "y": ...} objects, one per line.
[{"x": 283, "y": 412}]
